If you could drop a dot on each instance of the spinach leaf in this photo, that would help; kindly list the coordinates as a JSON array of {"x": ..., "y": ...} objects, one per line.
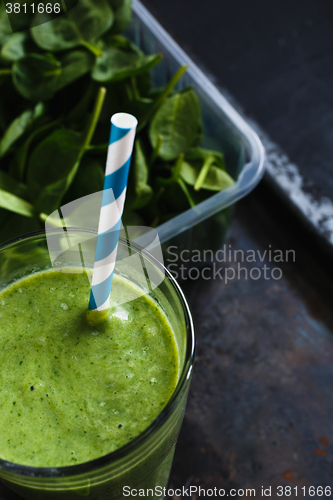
[
  {"x": 177, "y": 120},
  {"x": 74, "y": 64},
  {"x": 17, "y": 106},
  {"x": 82, "y": 25},
  {"x": 118, "y": 63},
  {"x": 124, "y": 96},
  {"x": 54, "y": 162},
  {"x": 82, "y": 105},
  {"x": 160, "y": 95},
  {"x": 36, "y": 76},
  {"x": 53, "y": 159},
  {"x": 15, "y": 130},
  {"x": 50, "y": 196},
  {"x": 140, "y": 107},
  {"x": 17, "y": 46},
  {"x": 18, "y": 127},
  {"x": 122, "y": 10},
  {"x": 204, "y": 172},
  {"x": 88, "y": 179},
  {"x": 215, "y": 179},
  {"x": 201, "y": 154},
  {"x": 21, "y": 20},
  {"x": 17, "y": 166},
  {"x": 187, "y": 193},
  {"x": 7, "y": 183},
  {"x": 140, "y": 193},
  {"x": 40, "y": 77},
  {"x": 15, "y": 204},
  {"x": 5, "y": 27},
  {"x": 175, "y": 173}
]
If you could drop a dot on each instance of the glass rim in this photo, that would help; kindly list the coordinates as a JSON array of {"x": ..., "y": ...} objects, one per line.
[{"x": 114, "y": 456}]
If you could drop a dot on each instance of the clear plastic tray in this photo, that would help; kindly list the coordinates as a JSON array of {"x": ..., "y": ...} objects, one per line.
[{"x": 225, "y": 130}]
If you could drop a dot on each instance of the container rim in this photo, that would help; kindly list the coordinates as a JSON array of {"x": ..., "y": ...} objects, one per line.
[{"x": 113, "y": 457}]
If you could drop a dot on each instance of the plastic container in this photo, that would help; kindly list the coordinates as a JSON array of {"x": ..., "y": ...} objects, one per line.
[{"x": 225, "y": 130}]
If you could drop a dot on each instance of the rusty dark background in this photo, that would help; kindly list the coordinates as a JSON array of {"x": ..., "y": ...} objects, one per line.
[{"x": 260, "y": 406}]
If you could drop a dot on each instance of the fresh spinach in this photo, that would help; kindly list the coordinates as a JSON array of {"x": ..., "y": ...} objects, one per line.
[
  {"x": 121, "y": 62},
  {"x": 18, "y": 162},
  {"x": 140, "y": 192},
  {"x": 74, "y": 64},
  {"x": 83, "y": 25},
  {"x": 15, "y": 204},
  {"x": 177, "y": 121},
  {"x": 7, "y": 183},
  {"x": 16, "y": 46},
  {"x": 214, "y": 178},
  {"x": 19, "y": 127},
  {"x": 5, "y": 28},
  {"x": 88, "y": 180},
  {"x": 59, "y": 151},
  {"x": 54, "y": 138},
  {"x": 122, "y": 11},
  {"x": 36, "y": 76}
]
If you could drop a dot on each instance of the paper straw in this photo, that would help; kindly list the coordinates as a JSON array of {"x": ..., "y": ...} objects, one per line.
[{"x": 123, "y": 127}]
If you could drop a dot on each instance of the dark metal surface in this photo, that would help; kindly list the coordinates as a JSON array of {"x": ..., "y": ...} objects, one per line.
[{"x": 260, "y": 405}]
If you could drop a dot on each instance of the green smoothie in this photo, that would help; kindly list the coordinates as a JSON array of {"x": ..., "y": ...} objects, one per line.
[{"x": 70, "y": 392}]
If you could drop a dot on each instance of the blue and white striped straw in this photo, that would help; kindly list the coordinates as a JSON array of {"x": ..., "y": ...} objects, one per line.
[{"x": 123, "y": 127}]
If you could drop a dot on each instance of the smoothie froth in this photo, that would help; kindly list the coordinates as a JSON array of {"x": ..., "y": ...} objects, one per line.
[{"x": 70, "y": 392}]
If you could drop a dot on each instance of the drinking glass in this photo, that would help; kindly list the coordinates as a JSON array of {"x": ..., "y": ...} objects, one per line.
[{"x": 143, "y": 463}]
